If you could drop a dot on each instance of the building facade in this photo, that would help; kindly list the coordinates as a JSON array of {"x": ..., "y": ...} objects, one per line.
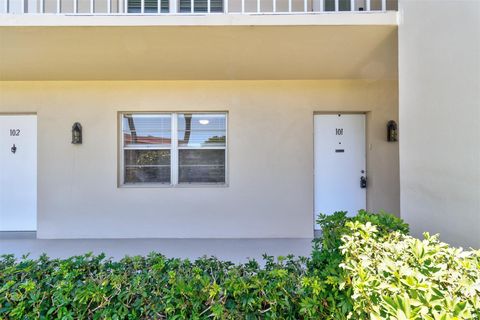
[{"x": 199, "y": 119}]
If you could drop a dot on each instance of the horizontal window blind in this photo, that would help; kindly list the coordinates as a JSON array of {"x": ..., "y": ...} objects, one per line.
[
  {"x": 147, "y": 143},
  {"x": 151, "y": 6},
  {"x": 202, "y": 144},
  {"x": 146, "y": 129},
  {"x": 171, "y": 148},
  {"x": 201, "y": 6}
]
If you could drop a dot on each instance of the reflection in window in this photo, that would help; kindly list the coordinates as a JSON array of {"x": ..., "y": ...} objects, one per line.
[
  {"x": 201, "y": 130},
  {"x": 147, "y": 143},
  {"x": 147, "y": 166},
  {"x": 147, "y": 129}
]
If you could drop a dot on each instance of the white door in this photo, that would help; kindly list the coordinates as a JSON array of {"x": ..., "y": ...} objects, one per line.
[
  {"x": 339, "y": 144},
  {"x": 18, "y": 172}
]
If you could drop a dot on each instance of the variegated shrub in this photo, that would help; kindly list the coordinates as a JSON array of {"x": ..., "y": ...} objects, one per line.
[{"x": 396, "y": 276}]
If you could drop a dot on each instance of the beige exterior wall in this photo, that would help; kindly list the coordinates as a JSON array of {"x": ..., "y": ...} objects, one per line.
[
  {"x": 270, "y": 192},
  {"x": 439, "y": 77}
]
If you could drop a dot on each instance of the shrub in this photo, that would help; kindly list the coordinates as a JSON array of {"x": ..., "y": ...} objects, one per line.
[
  {"x": 153, "y": 287},
  {"x": 395, "y": 276},
  {"x": 334, "y": 226},
  {"x": 327, "y": 256},
  {"x": 361, "y": 267}
]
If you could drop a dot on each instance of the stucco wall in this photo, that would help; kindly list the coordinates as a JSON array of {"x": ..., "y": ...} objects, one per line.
[
  {"x": 270, "y": 192},
  {"x": 439, "y": 79}
]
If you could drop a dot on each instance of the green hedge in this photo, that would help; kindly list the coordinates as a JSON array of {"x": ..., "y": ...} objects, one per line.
[
  {"x": 153, "y": 287},
  {"x": 328, "y": 285}
]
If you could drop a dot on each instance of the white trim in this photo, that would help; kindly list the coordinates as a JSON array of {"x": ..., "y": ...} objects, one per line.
[
  {"x": 172, "y": 6},
  {"x": 174, "y": 151},
  {"x": 120, "y": 153},
  {"x": 331, "y": 18}
]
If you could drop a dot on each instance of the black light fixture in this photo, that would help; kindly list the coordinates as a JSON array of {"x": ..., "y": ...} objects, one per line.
[
  {"x": 77, "y": 133},
  {"x": 392, "y": 131}
]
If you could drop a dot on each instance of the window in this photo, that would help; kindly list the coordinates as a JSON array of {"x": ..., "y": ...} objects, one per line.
[
  {"x": 147, "y": 148},
  {"x": 150, "y": 6},
  {"x": 173, "y": 148},
  {"x": 201, "y": 6}
]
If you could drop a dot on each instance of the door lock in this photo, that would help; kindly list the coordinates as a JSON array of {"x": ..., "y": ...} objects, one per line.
[
  {"x": 363, "y": 182},
  {"x": 14, "y": 149}
]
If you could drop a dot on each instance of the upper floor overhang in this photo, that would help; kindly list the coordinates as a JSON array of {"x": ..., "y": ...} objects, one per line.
[{"x": 212, "y": 46}]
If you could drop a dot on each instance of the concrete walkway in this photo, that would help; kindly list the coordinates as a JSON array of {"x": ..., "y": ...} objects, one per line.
[{"x": 235, "y": 250}]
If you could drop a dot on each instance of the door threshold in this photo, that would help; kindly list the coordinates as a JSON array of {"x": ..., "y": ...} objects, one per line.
[{"x": 18, "y": 235}]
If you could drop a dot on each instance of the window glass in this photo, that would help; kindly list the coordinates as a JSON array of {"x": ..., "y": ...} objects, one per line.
[
  {"x": 151, "y": 6},
  {"x": 151, "y": 166},
  {"x": 147, "y": 129},
  {"x": 201, "y": 130},
  {"x": 201, "y": 166},
  {"x": 201, "y": 6}
]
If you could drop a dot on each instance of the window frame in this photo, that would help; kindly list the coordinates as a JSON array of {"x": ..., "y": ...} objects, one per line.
[{"x": 174, "y": 152}]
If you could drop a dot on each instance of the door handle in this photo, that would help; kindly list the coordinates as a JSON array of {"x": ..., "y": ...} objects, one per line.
[
  {"x": 14, "y": 149},
  {"x": 363, "y": 182}
]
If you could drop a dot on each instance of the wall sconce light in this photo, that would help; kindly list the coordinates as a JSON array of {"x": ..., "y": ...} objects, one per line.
[
  {"x": 77, "y": 133},
  {"x": 392, "y": 131}
]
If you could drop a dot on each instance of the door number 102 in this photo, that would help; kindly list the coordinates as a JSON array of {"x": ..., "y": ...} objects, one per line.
[{"x": 14, "y": 132}]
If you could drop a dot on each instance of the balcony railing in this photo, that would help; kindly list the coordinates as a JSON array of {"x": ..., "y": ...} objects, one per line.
[{"x": 163, "y": 7}]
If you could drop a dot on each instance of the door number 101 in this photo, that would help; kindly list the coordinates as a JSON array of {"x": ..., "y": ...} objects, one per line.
[{"x": 14, "y": 132}]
